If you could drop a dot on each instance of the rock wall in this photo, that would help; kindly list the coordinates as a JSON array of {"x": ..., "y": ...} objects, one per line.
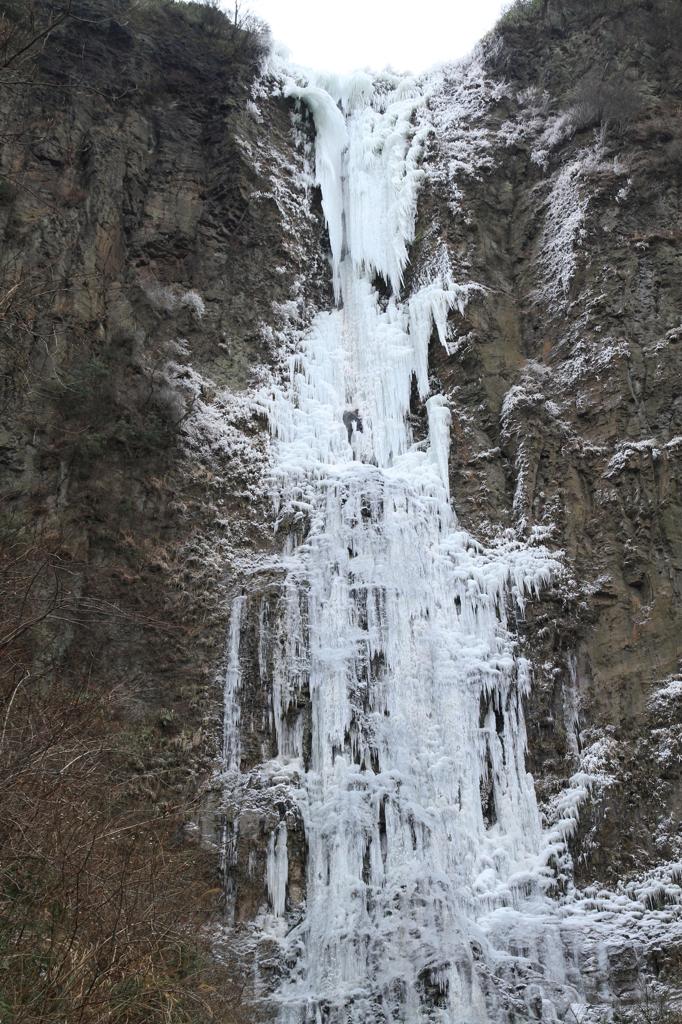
[
  {"x": 157, "y": 234},
  {"x": 565, "y": 378}
]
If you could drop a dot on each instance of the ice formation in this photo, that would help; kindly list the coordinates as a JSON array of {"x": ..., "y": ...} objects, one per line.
[
  {"x": 389, "y": 652},
  {"x": 231, "y": 715}
]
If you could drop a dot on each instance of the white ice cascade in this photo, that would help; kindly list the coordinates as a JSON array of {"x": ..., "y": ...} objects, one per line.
[{"x": 397, "y": 693}]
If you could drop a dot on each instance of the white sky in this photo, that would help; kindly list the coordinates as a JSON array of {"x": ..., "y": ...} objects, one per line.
[{"x": 408, "y": 35}]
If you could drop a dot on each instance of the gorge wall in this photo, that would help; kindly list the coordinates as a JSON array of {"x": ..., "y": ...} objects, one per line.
[{"x": 164, "y": 255}]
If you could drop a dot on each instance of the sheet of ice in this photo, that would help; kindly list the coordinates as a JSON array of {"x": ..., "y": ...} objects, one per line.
[
  {"x": 392, "y": 628},
  {"x": 389, "y": 650},
  {"x": 278, "y": 869}
]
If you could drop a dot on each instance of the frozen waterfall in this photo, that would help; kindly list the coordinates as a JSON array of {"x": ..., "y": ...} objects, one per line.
[{"x": 397, "y": 689}]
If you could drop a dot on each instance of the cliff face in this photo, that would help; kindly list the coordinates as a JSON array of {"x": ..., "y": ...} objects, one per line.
[
  {"x": 162, "y": 247},
  {"x": 147, "y": 219},
  {"x": 565, "y": 381},
  {"x": 565, "y": 378}
]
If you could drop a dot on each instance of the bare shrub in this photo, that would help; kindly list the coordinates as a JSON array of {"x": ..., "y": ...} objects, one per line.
[
  {"x": 24, "y": 27},
  {"x": 101, "y": 902},
  {"x": 673, "y": 152},
  {"x": 239, "y": 31},
  {"x": 518, "y": 13},
  {"x": 611, "y": 102}
]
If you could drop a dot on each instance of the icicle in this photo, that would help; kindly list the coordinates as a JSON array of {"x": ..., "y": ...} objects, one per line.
[
  {"x": 233, "y": 677},
  {"x": 439, "y": 437},
  {"x": 278, "y": 869},
  {"x": 332, "y": 140}
]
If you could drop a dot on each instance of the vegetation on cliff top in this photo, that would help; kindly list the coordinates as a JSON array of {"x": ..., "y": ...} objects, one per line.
[{"x": 26, "y": 25}]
